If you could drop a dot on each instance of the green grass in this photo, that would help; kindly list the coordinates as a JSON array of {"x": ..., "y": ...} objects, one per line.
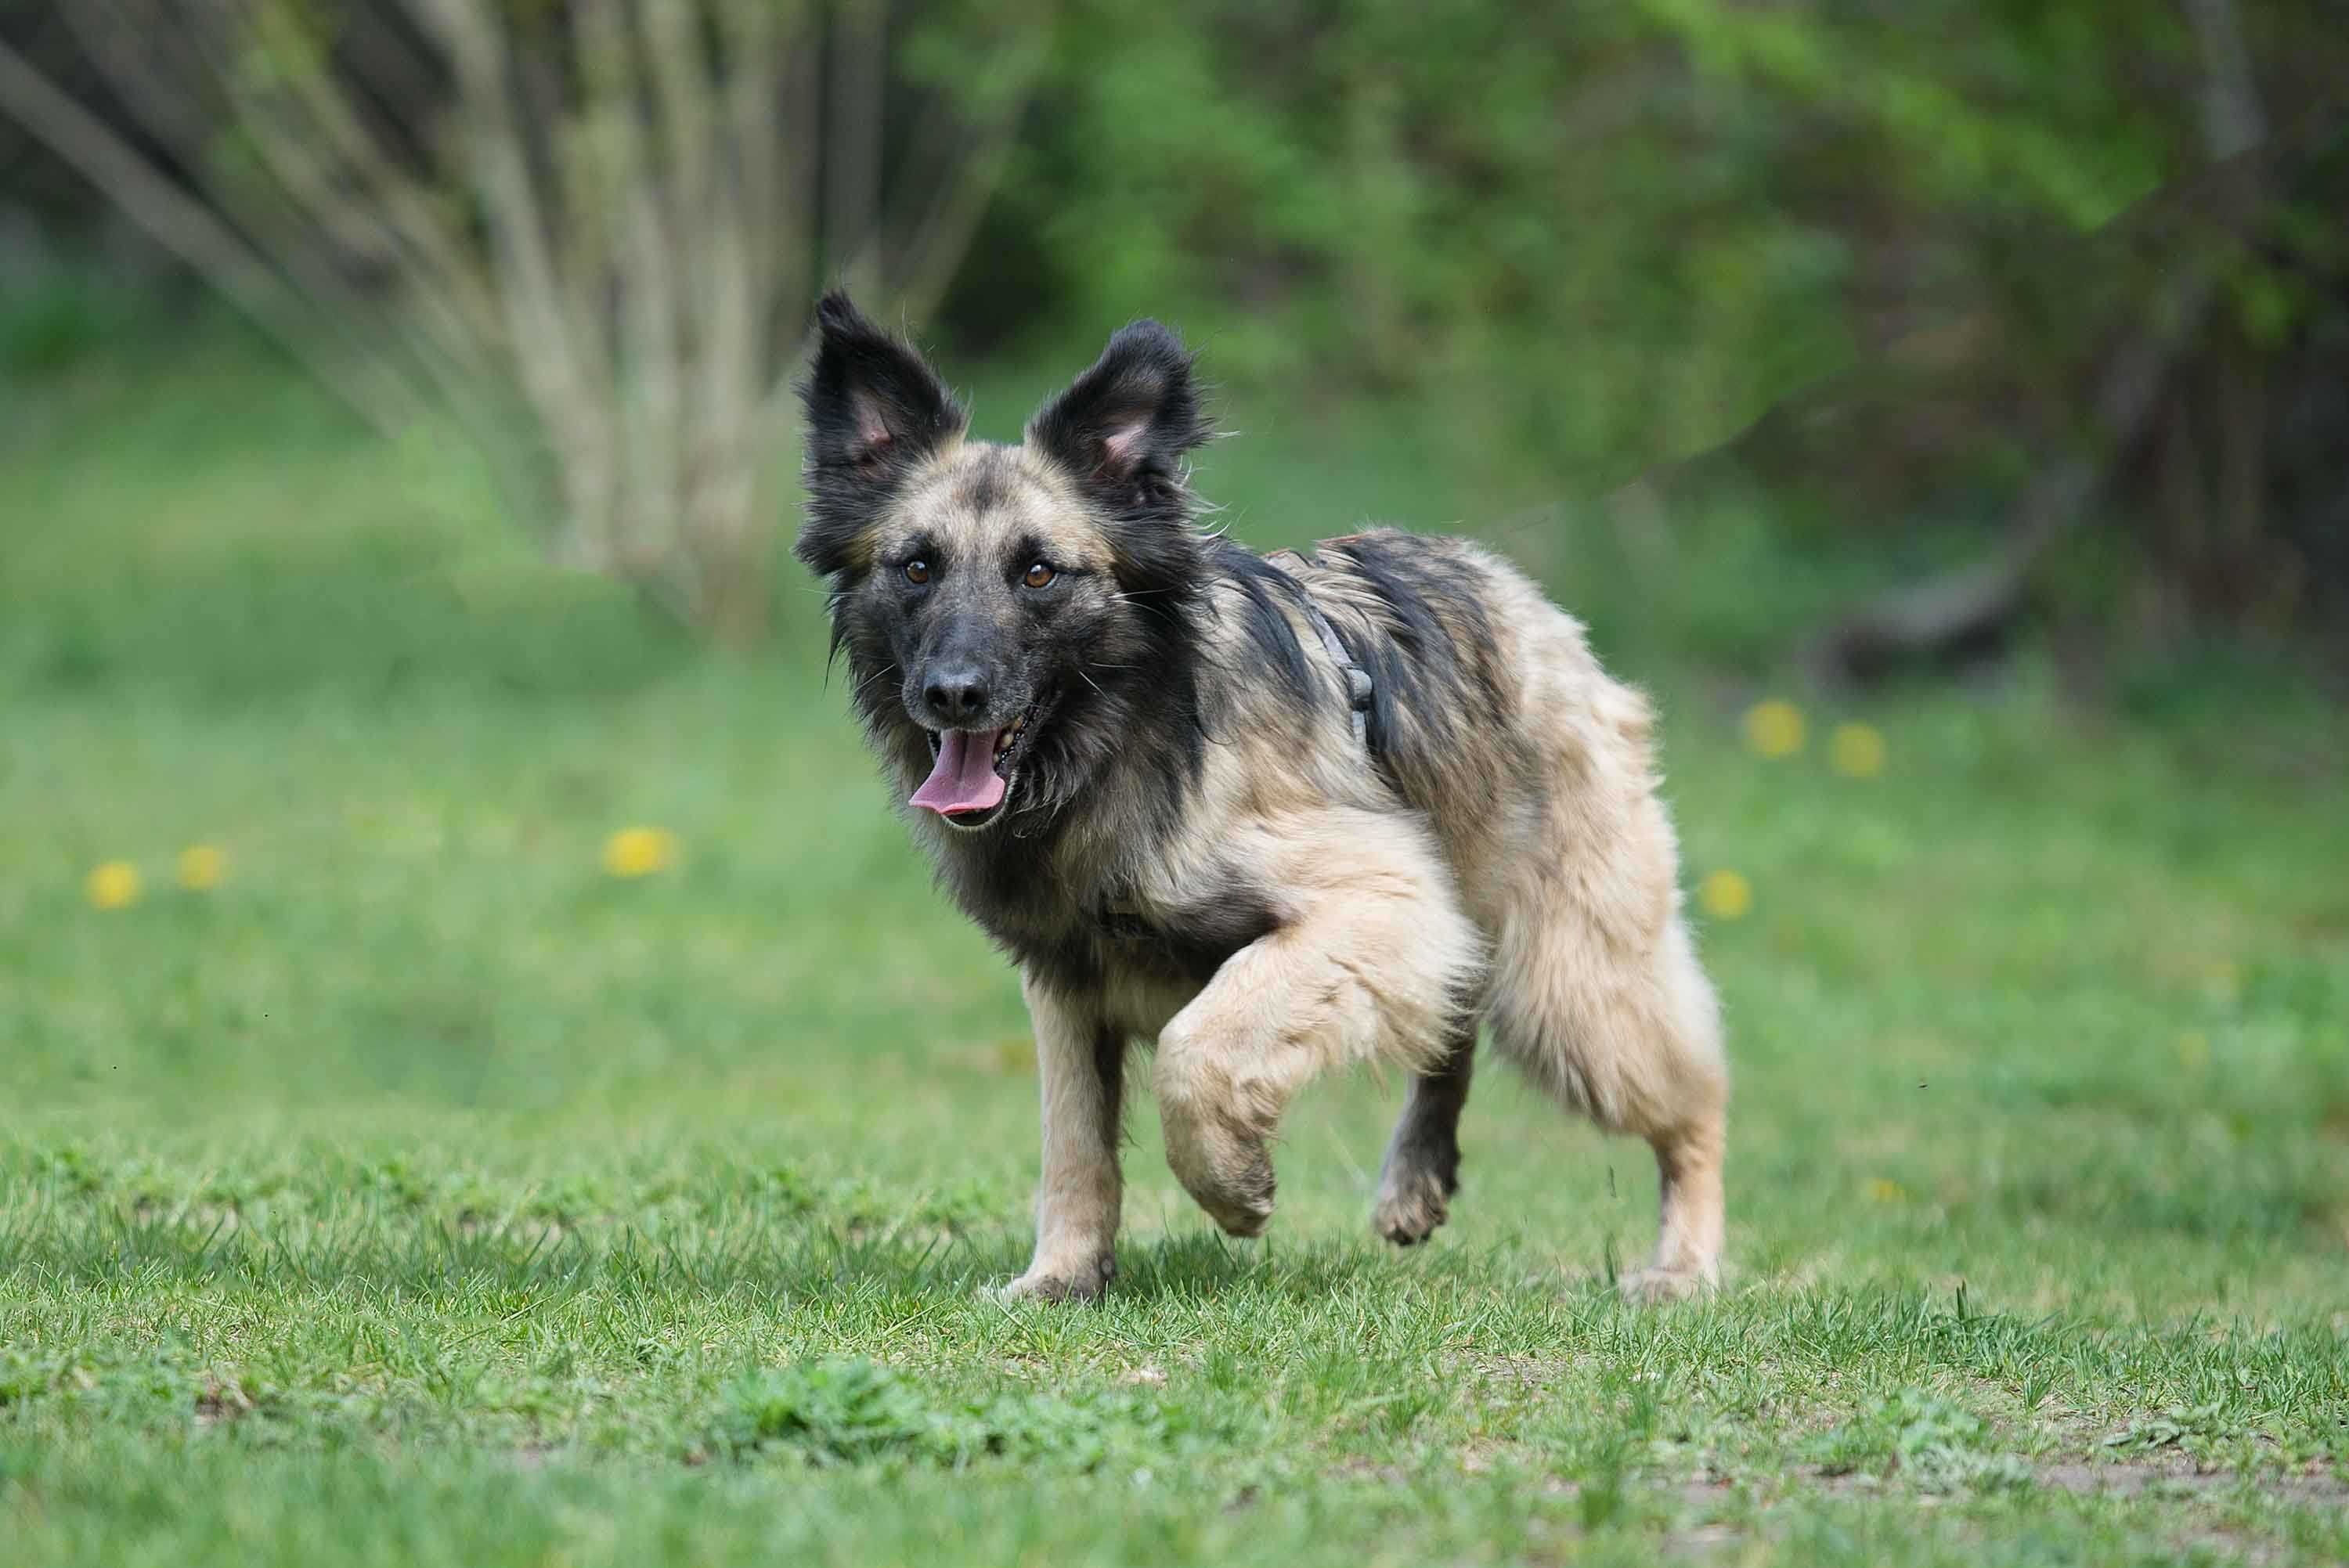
[{"x": 422, "y": 1193}]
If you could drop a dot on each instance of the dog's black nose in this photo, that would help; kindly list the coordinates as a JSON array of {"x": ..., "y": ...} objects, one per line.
[{"x": 956, "y": 694}]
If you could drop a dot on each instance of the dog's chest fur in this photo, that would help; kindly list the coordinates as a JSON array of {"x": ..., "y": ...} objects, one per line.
[{"x": 1140, "y": 953}]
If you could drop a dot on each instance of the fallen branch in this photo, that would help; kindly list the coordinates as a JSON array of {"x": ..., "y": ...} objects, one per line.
[{"x": 1969, "y": 607}]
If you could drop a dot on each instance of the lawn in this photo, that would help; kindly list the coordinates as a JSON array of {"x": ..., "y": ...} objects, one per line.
[{"x": 415, "y": 1189}]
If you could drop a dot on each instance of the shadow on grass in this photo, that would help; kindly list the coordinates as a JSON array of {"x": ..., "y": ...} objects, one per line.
[
  {"x": 375, "y": 1251},
  {"x": 375, "y": 1248},
  {"x": 1205, "y": 1265}
]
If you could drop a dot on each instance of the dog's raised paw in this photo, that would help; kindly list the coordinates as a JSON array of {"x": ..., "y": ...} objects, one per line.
[
  {"x": 1243, "y": 1206},
  {"x": 1246, "y": 1224},
  {"x": 1228, "y": 1175}
]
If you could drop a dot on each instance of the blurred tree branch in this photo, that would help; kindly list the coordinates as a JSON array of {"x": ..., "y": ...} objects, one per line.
[
  {"x": 582, "y": 232},
  {"x": 1961, "y": 608}
]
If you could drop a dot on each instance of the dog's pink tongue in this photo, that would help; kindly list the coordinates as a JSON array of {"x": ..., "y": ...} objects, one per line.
[{"x": 964, "y": 778}]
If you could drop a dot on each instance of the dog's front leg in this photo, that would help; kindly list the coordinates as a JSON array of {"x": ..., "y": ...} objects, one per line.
[
  {"x": 1377, "y": 962},
  {"x": 1081, "y": 1063}
]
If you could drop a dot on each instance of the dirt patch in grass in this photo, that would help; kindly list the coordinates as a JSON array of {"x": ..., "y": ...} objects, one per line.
[{"x": 2311, "y": 1488}]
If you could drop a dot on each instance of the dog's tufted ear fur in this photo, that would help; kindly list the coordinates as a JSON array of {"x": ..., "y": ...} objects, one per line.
[
  {"x": 875, "y": 410},
  {"x": 1121, "y": 428}
]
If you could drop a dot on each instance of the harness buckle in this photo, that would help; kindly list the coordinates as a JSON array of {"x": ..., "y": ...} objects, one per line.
[{"x": 1357, "y": 678}]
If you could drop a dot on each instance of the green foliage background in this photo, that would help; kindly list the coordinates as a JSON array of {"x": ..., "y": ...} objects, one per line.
[
  {"x": 1610, "y": 234},
  {"x": 1574, "y": 245}
]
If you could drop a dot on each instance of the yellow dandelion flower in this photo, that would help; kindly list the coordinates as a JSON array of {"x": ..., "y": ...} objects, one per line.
[
  {"x": 113, "y": 885},
  {"x": 1725, "y": 895},
  {"x": 639, "y": 852},
  {"x": 1856, "y": 751},
  {"x": 2194, "y": 1048},
  {"x": 203, "y": 867},
  {"x": 1883, "y": 1189},
  {"x": 1775, "y": 729}
]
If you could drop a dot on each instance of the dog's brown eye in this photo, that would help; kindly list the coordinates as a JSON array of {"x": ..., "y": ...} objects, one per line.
[
  {"x": 917, "y": 571},
  {"x": 1039, "y": 576}
]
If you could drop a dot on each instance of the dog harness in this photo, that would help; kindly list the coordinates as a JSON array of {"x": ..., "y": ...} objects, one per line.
[{"x": 1358, "y": 679}]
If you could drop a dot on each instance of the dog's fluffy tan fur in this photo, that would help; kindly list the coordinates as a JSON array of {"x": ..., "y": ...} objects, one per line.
[{"x": 1193, "y": 849}]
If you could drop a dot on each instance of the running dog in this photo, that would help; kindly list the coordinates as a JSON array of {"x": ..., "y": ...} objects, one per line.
[{"x": 1274, "y": 813}]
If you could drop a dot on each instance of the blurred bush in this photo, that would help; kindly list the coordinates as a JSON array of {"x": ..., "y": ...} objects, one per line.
[
  {"x": 582, "y": 236},
  {"x": 2010, "y": 268},
  {"x": 1656, "y": 218}
]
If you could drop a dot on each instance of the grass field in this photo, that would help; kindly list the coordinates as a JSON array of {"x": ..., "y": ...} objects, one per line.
[{"x": 414, "y": 1189}]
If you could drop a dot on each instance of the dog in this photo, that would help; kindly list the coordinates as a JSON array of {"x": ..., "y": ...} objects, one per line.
[{"x": 1276, "y": 813}]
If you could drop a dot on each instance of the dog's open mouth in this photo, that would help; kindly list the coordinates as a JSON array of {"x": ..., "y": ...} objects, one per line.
[{"x": 974, "y": 771}]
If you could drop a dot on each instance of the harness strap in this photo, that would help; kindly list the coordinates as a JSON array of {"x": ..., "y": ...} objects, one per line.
[
  {"x": 1358, "y": 679},
  {"x": 1118, "y": 918}
]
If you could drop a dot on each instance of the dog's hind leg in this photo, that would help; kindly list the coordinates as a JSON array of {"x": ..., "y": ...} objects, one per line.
[
  {"x": 1634, "y": 1040},
  {"x": 1375, "y": 961},
  {"x": 1423, "y": 1164}
]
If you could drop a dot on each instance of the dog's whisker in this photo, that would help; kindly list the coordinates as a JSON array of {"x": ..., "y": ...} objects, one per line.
[{"x": 1130, "y": 600}]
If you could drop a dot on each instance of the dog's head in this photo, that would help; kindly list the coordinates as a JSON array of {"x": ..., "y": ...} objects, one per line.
[{"x": 1004, "y": 610}]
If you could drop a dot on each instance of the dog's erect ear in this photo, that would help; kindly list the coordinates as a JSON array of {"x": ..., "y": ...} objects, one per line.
[
  {"x": 875, "y": 410},
  {"x": 1123, "y": 427}
]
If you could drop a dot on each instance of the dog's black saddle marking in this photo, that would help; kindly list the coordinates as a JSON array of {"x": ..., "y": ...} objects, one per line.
[{"x": 1358, "y": 679}]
